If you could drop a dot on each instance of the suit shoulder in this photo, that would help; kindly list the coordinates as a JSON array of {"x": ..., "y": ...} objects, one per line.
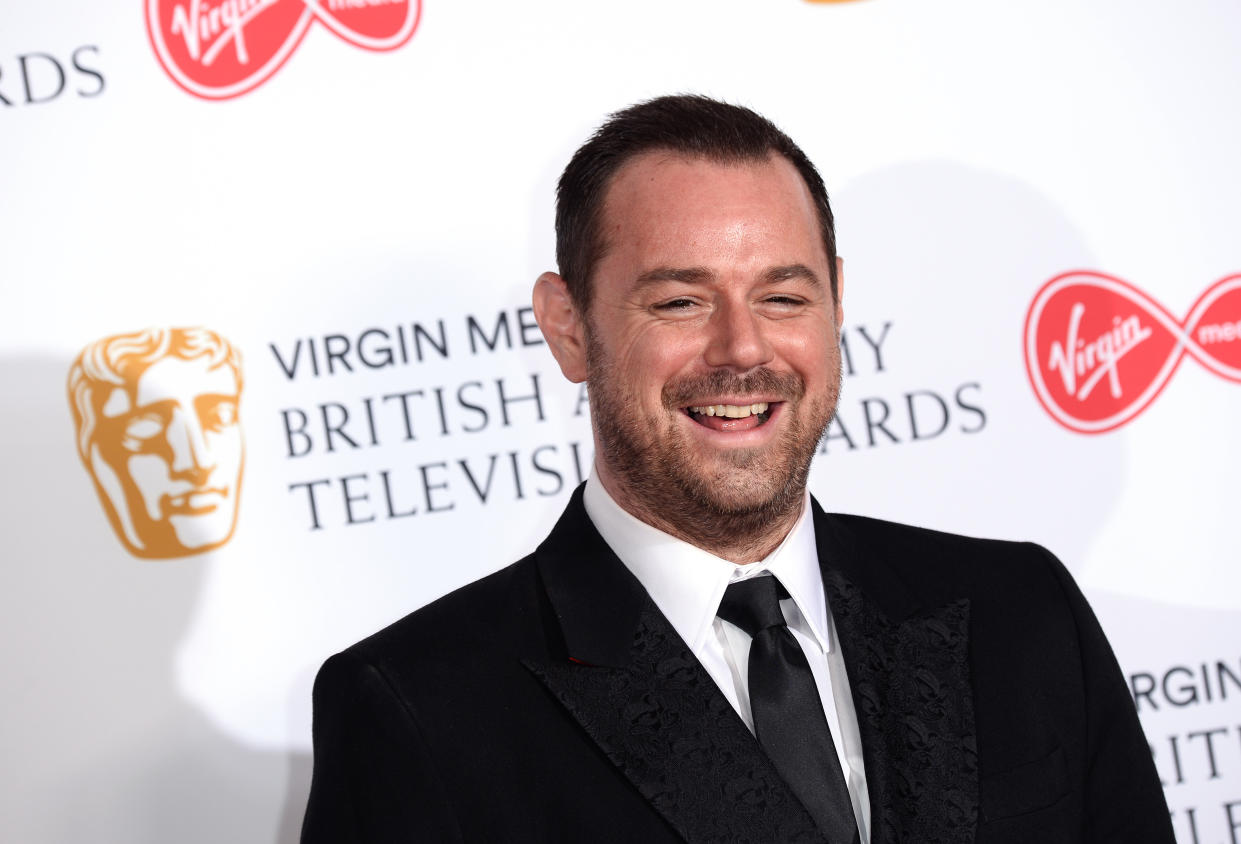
[
  {"x": 897, "y": 536},
  {"x": 933, "y": 560},
  {"x": 485, "y": 614}
]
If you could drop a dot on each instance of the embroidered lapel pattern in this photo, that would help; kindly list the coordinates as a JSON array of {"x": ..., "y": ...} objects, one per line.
[
  {"x": 635, "y": 688},
  {"x": 911, "y": 687},
  {"x": 661, "y": 720}
]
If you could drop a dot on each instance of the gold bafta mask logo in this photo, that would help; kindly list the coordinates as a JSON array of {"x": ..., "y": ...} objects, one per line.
[{"x": 158, "y": 430}]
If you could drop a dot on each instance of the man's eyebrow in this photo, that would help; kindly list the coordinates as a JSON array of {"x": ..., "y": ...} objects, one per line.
[
  {"x": 702, "y": 275},
  {"x": 685, "y": 275},
  {"x": 791, "y": 272},
  {"x": 136, "y": 409}
]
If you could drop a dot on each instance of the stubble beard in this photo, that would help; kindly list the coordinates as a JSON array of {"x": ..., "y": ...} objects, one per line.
[{"x": 731, "y": 504}]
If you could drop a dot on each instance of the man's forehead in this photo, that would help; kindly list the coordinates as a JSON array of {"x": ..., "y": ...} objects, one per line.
[
  {"x": 172, "y": 378},
  {"x": 658, "y": 164},
  {"x": 660, "y": 180},
  {"x": 670, "y": 205}
]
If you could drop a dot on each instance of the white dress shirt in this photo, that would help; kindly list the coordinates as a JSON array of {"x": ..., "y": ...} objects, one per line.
[{"x": 687, "y": 584}]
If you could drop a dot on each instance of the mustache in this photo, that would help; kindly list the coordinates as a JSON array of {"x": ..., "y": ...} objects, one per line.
[{"x": 681, "y": 391}]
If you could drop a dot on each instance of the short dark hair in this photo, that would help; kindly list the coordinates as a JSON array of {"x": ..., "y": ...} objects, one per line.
[{"x": 689, "y": 124}]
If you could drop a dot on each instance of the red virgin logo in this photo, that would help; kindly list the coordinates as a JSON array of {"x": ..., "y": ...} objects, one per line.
[
  {"x": 1098, "y": 350},
  {"x": 217, "y": 49}
]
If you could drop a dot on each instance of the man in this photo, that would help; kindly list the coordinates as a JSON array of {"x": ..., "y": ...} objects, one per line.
[
  {"x": 157, "y": 428},
  {"x": 697, "y": 652}
]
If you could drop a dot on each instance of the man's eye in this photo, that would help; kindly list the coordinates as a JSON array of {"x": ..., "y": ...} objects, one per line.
[
  {"x": 675, "y": 305},
  {"x": 784, "y": 302},
  {"x": 142, "y": 433},
  {"x": 144, "y": 427},
  {"x": 220, "y": 415}
]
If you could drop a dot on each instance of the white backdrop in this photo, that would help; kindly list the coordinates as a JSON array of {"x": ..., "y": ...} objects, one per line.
[{"x": 378, "y": 179}]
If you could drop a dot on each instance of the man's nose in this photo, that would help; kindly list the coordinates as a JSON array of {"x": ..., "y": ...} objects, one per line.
[
  {"x": 738, "y": 338},
  {"x": 191, "y": 457}
]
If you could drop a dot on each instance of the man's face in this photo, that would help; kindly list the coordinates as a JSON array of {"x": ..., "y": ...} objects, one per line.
[
  {"x": 168, "y": 455},
  {"x": 713, "y": 297}
]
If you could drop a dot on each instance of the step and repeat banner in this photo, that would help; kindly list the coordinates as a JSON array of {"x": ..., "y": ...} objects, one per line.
[{"x": 271, "y": 378}]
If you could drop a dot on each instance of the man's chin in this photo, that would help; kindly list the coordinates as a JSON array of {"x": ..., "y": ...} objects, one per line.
[
  {"x": 201, "y": 532},
  {"x": 733, "y": 494}
]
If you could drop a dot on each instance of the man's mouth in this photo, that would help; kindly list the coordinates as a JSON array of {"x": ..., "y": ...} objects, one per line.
[
  {"x": 196, "y": 502},
  {"x": 731, "y": 417}
]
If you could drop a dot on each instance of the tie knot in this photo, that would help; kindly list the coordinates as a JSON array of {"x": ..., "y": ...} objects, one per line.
[{"x": 753, "y": 604}]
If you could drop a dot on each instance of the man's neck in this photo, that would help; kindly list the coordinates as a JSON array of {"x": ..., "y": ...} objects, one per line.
[{"x": 742, "y": 538}]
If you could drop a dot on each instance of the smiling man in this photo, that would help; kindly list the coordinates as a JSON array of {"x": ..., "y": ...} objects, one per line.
[
  {"x": 698, "y": 652},
  {"x": 710, "y": 342}
]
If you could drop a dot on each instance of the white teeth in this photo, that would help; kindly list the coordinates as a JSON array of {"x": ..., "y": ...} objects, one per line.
[{"x": 732, "y": 411}]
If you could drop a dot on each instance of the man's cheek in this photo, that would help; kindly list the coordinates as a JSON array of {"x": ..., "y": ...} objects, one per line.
[
  {"x": 150, "y": 476},
  {"x": 225, "y": 449}
]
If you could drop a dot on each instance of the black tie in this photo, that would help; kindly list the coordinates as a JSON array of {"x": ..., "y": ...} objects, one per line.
[{"x": 788, "y": 716}]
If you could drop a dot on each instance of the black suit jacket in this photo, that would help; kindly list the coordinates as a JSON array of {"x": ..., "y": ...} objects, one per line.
[{"x": 551, "y": 701}]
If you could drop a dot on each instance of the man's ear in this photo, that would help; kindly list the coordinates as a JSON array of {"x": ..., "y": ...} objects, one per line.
[
  {"x": 840, "y": 292},
  {"x": 561, "y": 325}
]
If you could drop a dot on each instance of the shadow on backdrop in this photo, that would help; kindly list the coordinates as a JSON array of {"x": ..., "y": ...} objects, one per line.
[
  {"x": 100, "y": 744},
  {"x": 952, "y": 255}
]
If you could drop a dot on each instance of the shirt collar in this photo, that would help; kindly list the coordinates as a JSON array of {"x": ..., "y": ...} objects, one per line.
[{"x": 687, "y": 583}]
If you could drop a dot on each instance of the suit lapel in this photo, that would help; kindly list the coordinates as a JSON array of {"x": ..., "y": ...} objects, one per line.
[
  {"x": 636, "y": 689},
  {"x": 909, "y": 675}
]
